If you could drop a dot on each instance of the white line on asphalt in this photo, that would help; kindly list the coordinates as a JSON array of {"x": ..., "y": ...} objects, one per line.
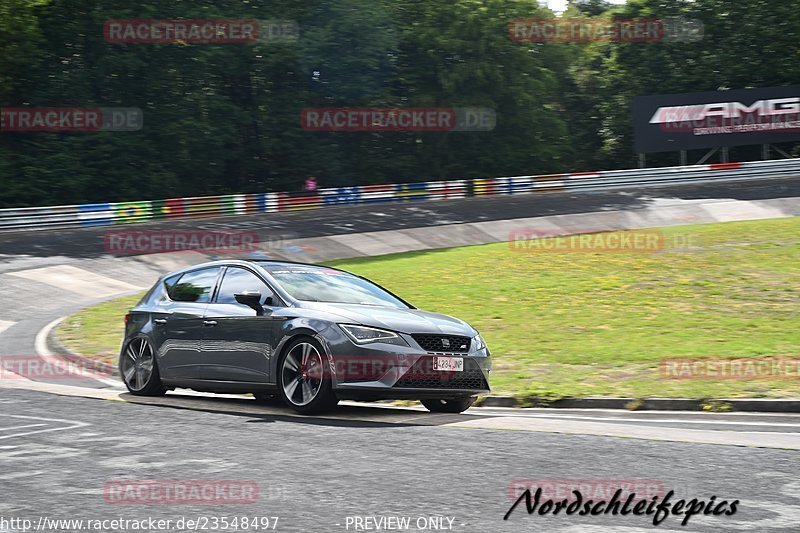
[
  {"x": 567, "y": 411},
  {"x": 553, "y": 413},
  {"x": 789, "y": 441},
  {"x": 764, "y": 432},
  {"x": 22, "y": 427},
  {"x": 75, "y": 424},
  {"x": 653, "y": 420},
  {"x": 62, "y": 390},
  {"x": 40, "y": 345},
  {"x": 5, "y": 324}
]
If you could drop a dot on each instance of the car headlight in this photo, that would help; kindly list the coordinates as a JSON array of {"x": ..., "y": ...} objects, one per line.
[
  {"x": 367, "y": 335},
  {"x": 480, "y": 344}
]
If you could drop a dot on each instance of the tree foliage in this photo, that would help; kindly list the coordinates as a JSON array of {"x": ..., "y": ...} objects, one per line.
[{"x": 225, "y": 118}]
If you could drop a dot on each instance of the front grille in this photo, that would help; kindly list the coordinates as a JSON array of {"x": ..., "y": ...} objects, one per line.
[
  {"x": 422, "y": 376},
  {"x": 443, "y": 343}
]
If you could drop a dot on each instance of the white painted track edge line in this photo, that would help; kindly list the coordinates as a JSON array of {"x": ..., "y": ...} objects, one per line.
[{"x": 40, "y": 346}]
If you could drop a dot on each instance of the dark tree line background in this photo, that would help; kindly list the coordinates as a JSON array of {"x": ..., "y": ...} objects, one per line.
[{"x": 224, "y": 118}]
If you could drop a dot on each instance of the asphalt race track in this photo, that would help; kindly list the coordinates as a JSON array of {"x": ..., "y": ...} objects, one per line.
[
  {"x": 63, "y": 445},
  {"x": 315, "y": 473}
]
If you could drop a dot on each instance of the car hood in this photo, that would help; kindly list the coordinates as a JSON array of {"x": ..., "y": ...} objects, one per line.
[{"x": 402, "y": 320}]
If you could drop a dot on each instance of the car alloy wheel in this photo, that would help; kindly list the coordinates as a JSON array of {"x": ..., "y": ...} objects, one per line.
[
  {"x": 303, "y": 382},
  {"x": 139, "y": 369}
]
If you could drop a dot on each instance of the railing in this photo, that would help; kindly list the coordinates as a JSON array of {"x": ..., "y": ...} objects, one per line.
[{"x": 106, "y": 214}]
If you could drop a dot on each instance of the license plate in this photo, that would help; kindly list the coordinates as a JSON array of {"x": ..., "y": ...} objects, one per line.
[{"x": 449, "y": 364}]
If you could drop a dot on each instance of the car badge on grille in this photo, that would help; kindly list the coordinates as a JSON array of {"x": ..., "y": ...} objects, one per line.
[{"x": 446, "y": 343}]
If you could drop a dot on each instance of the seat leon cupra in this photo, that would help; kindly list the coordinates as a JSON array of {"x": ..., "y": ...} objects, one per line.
[{"x": 311, "y": 334}]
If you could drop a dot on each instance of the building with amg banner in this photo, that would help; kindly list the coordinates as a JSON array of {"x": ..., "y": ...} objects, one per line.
[{"x": 716, "y": 120}]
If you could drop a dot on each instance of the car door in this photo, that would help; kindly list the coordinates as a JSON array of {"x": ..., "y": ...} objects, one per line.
[
  {"x": 238, "y": 344},
  {"x": 178, "y": 324}
]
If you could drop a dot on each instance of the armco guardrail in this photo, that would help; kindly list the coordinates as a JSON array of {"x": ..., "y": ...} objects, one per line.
[{"x": 106, "y": 214}]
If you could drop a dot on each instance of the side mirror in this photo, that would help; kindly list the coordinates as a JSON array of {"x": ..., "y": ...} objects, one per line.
[{"x": 251, "y": 299}]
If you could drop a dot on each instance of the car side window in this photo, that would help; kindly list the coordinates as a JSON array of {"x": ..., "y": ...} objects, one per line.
[
  {"x": 239, "y": 280},
  {"x": 170, "y": 282},
  {"x": 195, "y": 286},
  {"x": 158, "y": 293}
]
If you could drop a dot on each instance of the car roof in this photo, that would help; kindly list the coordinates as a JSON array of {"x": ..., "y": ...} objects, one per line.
[{"x": 247, "y": 262}]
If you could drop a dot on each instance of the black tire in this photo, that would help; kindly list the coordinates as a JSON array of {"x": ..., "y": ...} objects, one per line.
[
  {"x": 139, "y": 383},
  {"x": 448, "y": 406},
  {"x": 324, "y": 398}
]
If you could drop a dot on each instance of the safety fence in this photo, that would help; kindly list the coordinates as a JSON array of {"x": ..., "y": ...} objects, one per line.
[{"x": 106, "y": 214}]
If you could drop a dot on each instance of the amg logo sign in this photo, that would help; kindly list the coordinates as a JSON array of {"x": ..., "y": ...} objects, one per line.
[
  {"x": 777, "y": 106},
  {"x": 713, "y": 119}
]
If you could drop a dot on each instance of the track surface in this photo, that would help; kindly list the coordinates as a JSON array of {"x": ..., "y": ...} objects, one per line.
[
  {"x": 314, "y": 473},
  {"x": 58, "y": 451}
]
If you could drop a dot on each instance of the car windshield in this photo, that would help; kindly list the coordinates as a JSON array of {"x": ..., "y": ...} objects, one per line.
[{"x": 319, "y": 284}]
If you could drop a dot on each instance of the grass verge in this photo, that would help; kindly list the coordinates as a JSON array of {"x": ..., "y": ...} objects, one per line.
[{"x": 96, "y": 332}]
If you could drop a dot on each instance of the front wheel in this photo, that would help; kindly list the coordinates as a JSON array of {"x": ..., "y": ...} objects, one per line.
[
  {"x": 303, "y": 379},
  {"x": 139, "y": 369},
  {"x": 448, "y": 406}
]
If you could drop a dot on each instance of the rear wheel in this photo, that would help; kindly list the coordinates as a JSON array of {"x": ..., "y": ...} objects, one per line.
[
  {"x": 303, "y": 379},
  {"x": 448, "y": 406},
  {"x": 139, "y": 369}
]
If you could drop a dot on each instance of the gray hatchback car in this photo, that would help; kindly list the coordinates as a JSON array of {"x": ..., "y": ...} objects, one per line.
[{"x": 308, "y": 333}]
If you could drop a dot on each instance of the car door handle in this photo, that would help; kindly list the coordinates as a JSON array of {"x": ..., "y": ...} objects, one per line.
[
  {"x": 209, "y": 323},
  {"x": 160, "y": 321}
]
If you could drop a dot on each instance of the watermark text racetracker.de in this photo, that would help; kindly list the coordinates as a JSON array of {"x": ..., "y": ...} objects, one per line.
[
  {"x": 141, "y": 242},
  {"x": 70, "y": 119},
  {"x": 739, "y": 368},
  {"x": 181, "y": 492},
  {"x": 577, "y": 30},
  {"x": 598, "y": 241},
  {"x": 439, "y": 119},
  {"x": 199, "y": 31},
  {"x": 559, "y": 489},
  {"x": 34, "y": 367}
]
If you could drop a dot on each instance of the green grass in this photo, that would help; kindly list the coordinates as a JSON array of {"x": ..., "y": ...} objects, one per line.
[
  {"x": 97, "y": 331},
  {"x": 597, "y": 324}
]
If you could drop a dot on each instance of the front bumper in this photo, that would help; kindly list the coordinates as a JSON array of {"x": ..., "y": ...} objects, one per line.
[{"x": 385, "y": 371}]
